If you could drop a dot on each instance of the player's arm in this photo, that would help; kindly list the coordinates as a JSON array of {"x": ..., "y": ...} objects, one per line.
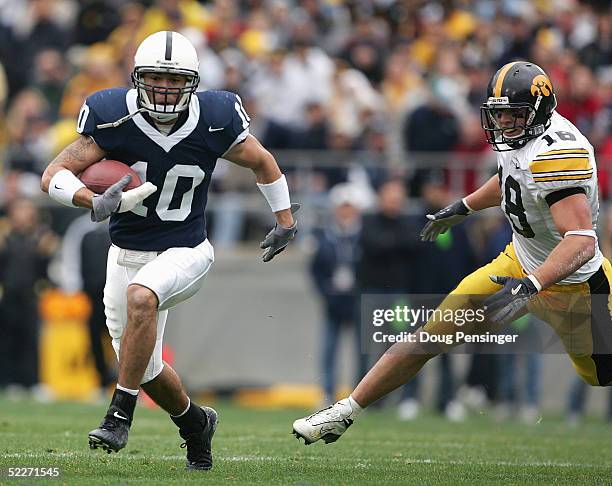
[
  {"x": 59, "y": 178},
  {"x": 573, "y": 219},
  {"x": 252, "y": 155},
  {"x": 487, "y": 196},
  {"x": 572, "y": 216},
  {"x": 271, "y": 181}
]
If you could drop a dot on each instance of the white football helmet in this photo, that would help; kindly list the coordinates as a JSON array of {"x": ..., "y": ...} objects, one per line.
[{"x": 165, "y": 52}]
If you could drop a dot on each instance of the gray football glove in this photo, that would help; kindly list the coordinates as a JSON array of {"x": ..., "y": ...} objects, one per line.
[
  {"x": 115, "y": 200},
  {"x": 441, "y": 221},
  {"x": 507, "y": 304},
  {"x": 278, "y": 238}
]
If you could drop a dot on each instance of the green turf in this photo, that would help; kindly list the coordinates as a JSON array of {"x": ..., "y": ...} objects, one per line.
[{"x": 254, "y": 447}]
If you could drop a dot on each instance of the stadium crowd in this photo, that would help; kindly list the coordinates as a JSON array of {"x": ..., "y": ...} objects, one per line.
[
  {"x": 362, "y": 90},
  {"x": 382, "y": 77}
]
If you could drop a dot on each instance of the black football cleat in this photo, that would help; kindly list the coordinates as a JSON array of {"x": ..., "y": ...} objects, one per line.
[
  {"x": 199, "y": 444},
  {"x": 112, "y": 435}
]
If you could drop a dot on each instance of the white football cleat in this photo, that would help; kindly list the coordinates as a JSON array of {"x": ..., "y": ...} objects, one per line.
[{"x": 327, "y": 424}]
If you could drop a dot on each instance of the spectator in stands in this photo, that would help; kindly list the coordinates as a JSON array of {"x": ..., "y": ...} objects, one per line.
[
  {"x": 124, "y": 38},
  {"x": 40, "y": 27},
  {"x": 27, "y": 125},
  {"x": 598, "y": 53},
  {"x": 308, "y": 72},
  {"x": 270, "y": 87},
  {"x": 83, "y": 258},
  {"x": 365, "y": 50},
  {"x": 98, "y": 71},
  {"x": 50, "y": 77},
  {"x": 316, "y": 134},
  {"x": 333, "y": 270},
  {"x": 354, "y": 102},
  {"x": 520, "y": 376},
  {"x": 577, "y": 401},
  {"x": 389, "y": 242},
  {"x": 482, "y": 378},
  {"x": 163, "y": 15},
  {"x": 96, "y": 19},
  {"x": 431, "y": 131},
  {"x": 388, "y": 245},
  {"x": 434, "y": 271},
  {"x": 584, "y": 101},
  {"x": 26, "y": 246}
]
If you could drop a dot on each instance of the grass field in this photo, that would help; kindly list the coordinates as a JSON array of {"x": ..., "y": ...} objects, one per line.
[{"x": 255, "y": 447}]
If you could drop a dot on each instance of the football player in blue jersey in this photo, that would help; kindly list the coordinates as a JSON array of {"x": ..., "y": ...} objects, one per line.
[{"x": 172, "y": 137}]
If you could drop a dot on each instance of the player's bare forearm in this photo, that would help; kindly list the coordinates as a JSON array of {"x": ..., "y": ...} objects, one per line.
[
  {"x": 83, "y": 198},
  {"x": 76, "y": 157},
  {"x": 486, "y": 196},
  {"x": 252, "y": 155},
  {"x": 567, "y": 257},
  {"x": 572, "y": 213}
]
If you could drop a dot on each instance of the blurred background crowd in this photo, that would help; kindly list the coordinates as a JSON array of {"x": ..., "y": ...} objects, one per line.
[{"x": 371, "y": 107}]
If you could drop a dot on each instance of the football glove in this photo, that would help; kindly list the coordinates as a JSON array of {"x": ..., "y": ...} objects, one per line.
[
  {"x": 114, "y": 200},
  {"x": 505, "y": 306},
  {"x": 441, "y": 221},
  {"x": 278, "y": 238}
]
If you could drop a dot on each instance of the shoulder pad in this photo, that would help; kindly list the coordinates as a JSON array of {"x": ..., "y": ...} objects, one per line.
[
  {"x": 225, "y": 121},
  {"x": 565, "y": 164},
  {"x": 108, "y": 104},
  {"x": 217, "y": 107}
]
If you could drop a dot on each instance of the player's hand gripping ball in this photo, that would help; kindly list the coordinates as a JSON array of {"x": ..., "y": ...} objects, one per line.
[{"x": 117, "y": 187}]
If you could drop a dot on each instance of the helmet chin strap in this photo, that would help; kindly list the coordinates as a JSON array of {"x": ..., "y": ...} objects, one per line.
[{"x": 162, "y": 117}]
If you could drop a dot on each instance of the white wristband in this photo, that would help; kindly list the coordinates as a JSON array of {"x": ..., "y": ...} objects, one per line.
[
  {"x": 277, "y": 194},
  {"x": 467, "y": 205},
  {"x": 537, "y": 284},
  {"x": 590, "y": 233},
  {"x": 63, "y": 186}
]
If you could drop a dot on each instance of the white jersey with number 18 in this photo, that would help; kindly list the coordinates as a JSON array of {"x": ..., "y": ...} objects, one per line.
[{"x": 555, "y": 165}]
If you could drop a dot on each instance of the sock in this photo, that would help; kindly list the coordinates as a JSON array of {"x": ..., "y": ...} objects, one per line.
[
  {"x": 357, "y": 409},
  {"x": 191, "y": 420},
  {"x": 128, "y": 390},
  {"x": 124, "y": 403},
  {"x": 184, "y": 411}
]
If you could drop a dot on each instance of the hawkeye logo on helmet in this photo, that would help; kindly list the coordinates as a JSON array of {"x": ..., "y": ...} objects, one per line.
[{"x": 541, "y": 86}]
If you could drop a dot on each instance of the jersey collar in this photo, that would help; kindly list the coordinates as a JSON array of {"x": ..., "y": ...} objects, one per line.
[{"x": 166, "y": 142}]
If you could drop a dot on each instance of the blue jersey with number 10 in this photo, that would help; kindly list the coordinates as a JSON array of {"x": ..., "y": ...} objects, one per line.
[{"x": 179, "y": 164}]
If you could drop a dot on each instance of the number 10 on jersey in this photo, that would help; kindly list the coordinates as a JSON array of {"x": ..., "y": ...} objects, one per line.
[{"x": 166, "y": 195}]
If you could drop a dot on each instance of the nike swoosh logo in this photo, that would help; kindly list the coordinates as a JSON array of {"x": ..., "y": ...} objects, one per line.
[
  {"x": 58, "y": 187},
  {"x": 515, "y": 290},
  {"x": 211, "y": 129},
  {"x": 120, "y": 416}
]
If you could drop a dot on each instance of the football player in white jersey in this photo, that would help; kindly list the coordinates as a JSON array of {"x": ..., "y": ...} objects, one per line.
[{"x": 547, "y": 187}]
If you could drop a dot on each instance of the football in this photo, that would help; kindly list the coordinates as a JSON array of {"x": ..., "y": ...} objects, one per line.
[{"x": 100, "y": 176}]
